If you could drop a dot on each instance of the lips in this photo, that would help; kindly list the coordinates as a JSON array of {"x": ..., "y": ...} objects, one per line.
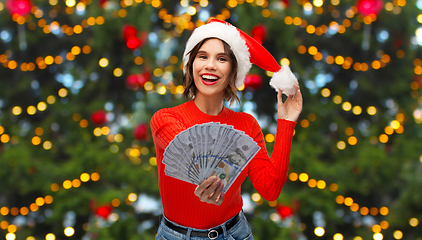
[{"x": 209, "y": 79}]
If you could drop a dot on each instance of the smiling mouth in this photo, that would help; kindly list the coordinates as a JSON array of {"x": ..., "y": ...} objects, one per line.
[{"x": 209, "y": 79}]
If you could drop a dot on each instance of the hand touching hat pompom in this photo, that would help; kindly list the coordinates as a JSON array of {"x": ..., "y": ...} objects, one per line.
[{"x": 284, "y": 80}]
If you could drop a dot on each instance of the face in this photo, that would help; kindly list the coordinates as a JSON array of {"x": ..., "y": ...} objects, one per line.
[{"x": 211, "y": 69}]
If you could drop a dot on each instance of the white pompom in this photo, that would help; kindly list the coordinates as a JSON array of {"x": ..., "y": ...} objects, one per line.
[{"x": 284, "y": 80}]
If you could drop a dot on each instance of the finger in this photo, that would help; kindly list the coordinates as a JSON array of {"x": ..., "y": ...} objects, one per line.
[
  {"x": 216, "y": 195},
  {"x": 204, "y": 185},
  {"x": 209, "y": 192},
  {"x": 280, "y": 96},
  {"x": 220, "y": 199}
]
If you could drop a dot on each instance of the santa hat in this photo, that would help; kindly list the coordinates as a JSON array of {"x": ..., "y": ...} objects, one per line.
[{"x": 247, "y": 51}]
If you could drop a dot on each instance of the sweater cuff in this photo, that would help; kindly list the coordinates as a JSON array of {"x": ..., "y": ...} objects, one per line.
[{"x": 285, "y": 125}]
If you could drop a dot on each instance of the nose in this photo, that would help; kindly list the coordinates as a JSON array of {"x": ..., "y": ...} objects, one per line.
[{"x": 210, "y": 65}]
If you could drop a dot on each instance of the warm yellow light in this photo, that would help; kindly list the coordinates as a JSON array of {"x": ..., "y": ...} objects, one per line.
[
  {"x": 325, "y": 92},
  {"x": 105, "y": 130},
  {"x": 191, "y": 10},
  {"x": 10, "y": 236},
  {"x": 269, "y": 138},
  {"x": 333, "y": 187},
  {"x": 39, "y": 201},
  {"x": 48, "y": 199},
  {"x": 70, "y": 3},
  {"x": 337, "y": 99},
  {"x": 364, "y": 211},
  {"x": 103, "y": 62},
  {"x": 312, "y": 183},
  {"x": 341, "y": 145},
  {"x": 347, "y": 106},
  {"x": 352, "y": 140},
  {"x": 378, "y": 236},
  {"x": 383, "y": 138},
  {"x": 67, "y": 184},
  {"x": 95, "y": 176},
  {"x": 413, "y": 222},
  {"x": 384, "y": 211},
  {"x": 54, "y": 187},
  {"x": 118, "y": 72},
  {"x": 84, "y": 177},
  {"x": 395, "y": 124},
  {"x": 16, "y": 110},
  {"x": 348, "y": 201},
  {"x": 47, "y": 145},
  {"x": 76, "y": 183},
  {"x": 354, "y": 207},
  {"x": 11, "y": 228},
  {"x": 293, "y": 176},
  {"x": 357, "y": 238},
  {"x": 62, "y": 92},
  {"x": 357, "y": 110},
  {"x": 31, "y": 110},
  {"x": 303, "y": 177},
  {"x": 376, "y": 228},
  {"x": 69, "y": 231},
  {"x": 41, "y": 106},
  {"x": 398, "y": 234},
  {"x": 36, "y": 140},
  {"x": 132, "y": 197},
  {"x": 115, "y": 202},
  {"x": 161, "y": 90},
  {"x": 338, "y": 236},
  {"x": 148, "y": 86},
  {"x": 321, "y": 184},
  {"x": 319, "y": 231},
  {"x": 5, "y": 138},
  {"x": 153, "y": 161},
  {"x": 50, "y": 236},
  {"x": 371, "y": 110},
  {"x": 318, "y": 3},
  {"x": 256, "y": 197}
]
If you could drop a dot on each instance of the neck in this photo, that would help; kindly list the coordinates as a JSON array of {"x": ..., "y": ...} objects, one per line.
[{"x": 209, "y": 105}]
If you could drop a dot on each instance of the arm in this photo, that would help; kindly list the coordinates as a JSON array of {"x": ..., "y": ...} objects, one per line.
[
  {"x": 268, "y": 175},
  {"x": 165, "y": 125}
]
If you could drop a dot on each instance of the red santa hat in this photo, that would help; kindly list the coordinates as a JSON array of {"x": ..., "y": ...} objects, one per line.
[{"x": 247, "y": 51}]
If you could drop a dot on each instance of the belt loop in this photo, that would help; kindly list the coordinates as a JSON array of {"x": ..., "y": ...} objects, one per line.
[
  {"x": 224, "y": 231},
  {"x": 188, "y": 234}
]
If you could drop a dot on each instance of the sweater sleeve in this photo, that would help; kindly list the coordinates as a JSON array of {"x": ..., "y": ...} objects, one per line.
[
  {"x": 165, "y": 125},
  {"x": 268, "y": 175}
]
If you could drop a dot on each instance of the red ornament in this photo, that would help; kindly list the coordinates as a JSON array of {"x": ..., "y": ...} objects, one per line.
[
  {"x": 21, "y": 7},
  {"x": 129, "y": 31},
  {"x": 133, "y": 43},
  {"x": 253, "y": 81},
  {"x": 259, "y": 32},
  {"x": 102, "y": 3},
  {"x": 135, "y": 81},
  {"x": 141, "y": 132},
  {"x": 284, "y": 211},
  {"x": 285, "y": 3},
  {"x": 99, "y": 117},
  {"x": 104, "y": 211},
  {"x": 368, "y": 7}
]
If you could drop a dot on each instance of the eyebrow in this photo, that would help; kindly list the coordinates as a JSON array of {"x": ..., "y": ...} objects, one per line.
[{"x": 202, "y": 51}]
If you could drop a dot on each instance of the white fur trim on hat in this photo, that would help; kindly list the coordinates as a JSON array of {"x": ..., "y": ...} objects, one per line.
[
  {"x": 228, "y": 34},
  {"x": 284, "y": 80}
]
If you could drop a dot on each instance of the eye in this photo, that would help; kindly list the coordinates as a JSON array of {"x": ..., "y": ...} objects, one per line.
[
  {"x": 201, "y": 56},
  {"x": 222, "y": 59}
]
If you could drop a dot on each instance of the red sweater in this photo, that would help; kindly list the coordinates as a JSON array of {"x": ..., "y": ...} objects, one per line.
[{"x": 268, "y": 175}]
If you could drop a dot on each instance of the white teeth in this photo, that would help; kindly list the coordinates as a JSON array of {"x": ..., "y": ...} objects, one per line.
[{"x": 209, "y": 77}]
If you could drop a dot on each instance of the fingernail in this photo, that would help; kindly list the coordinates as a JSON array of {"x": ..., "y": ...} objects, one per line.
[{"x": 221, "y": 185}]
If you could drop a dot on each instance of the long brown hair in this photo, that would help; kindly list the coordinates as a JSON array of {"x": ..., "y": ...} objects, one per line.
[{"x": 230, "y": 93}]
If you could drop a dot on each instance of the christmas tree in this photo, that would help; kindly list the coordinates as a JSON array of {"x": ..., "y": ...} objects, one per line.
[{"x": 80, "y": 81}]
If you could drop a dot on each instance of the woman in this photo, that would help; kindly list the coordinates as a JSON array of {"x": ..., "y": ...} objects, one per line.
[{"x": 216, "y": 60}]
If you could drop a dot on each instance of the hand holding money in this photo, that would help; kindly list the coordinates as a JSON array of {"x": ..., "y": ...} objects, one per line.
[
  {"x": 209, "y": 150},
  {"x": 210, "y": 191}
]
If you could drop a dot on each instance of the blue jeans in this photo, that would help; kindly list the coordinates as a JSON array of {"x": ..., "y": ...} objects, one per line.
[{"x": 240, "y": 231}]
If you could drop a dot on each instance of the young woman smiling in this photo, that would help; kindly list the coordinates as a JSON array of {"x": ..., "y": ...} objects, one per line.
[{"x": 216, "y": 60}]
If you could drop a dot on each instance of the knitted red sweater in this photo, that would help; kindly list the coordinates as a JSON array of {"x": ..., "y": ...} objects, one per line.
[{"x": 268, "y": 175}]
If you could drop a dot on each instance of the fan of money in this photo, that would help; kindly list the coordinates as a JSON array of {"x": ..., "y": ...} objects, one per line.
[{"x": 209, "y": 149}]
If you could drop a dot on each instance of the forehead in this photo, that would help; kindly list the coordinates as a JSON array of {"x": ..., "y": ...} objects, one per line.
[{"x": 213, "y": 45}]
